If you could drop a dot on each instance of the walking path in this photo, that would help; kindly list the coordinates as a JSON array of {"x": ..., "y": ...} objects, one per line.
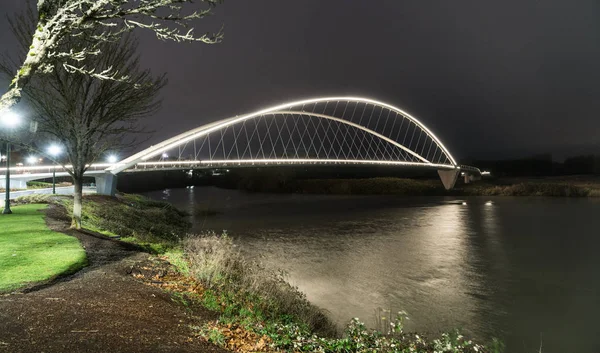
[
  {"x": 63, "y": 190},
  {"x": 102, "y": 308}
]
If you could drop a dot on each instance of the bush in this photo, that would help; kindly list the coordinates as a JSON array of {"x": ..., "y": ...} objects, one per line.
[
  {"x": 532, "y": 189},
  {"x": 44, "y": 185},
  {"x": 35, "y": 198},
  {"x": 41, "y": 198},
  {"x": 215, "y": 262}
]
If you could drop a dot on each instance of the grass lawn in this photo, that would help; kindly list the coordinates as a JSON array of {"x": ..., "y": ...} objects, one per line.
[{"x": 31, "y": 252}]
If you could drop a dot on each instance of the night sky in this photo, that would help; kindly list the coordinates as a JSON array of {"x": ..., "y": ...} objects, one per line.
[{"x": 495, "y": 79}]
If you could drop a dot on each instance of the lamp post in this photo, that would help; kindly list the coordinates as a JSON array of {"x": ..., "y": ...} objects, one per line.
[
  {"x": 11, "y": 120},
  {"x": 54, "y": 151}
]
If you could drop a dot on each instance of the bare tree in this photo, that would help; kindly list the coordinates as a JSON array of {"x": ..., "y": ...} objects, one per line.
[
  {"x": 100, "y": 21},
  {"x": 87, "y": 115}
]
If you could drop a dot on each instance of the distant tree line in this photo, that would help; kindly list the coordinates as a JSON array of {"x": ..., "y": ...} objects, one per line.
[{"x": 540, "y": 165}]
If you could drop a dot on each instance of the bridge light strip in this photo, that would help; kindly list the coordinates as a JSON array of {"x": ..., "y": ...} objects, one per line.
[
  {"x": 208, "y": 128},
  {"x": 292, "y": 161},
  {"x": 169, "y": 163},
  {"x": 239, "y": 162},
  {"x": 56, "y": 166},
  {"x": 323, "y": 161}
]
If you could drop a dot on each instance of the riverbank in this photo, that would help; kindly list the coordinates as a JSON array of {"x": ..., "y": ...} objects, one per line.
[
  {"x": 256, "y": 309},
  {"x": 553, "y": 187}
]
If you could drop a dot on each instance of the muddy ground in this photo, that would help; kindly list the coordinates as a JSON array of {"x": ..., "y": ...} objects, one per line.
[{"x": 102, "y": 308}]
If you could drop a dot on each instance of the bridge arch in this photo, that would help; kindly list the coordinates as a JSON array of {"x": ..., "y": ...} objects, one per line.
[{"x": 425, "y": 150}]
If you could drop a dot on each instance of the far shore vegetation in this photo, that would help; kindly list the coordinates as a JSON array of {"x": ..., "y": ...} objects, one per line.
[
  {"x": 550, "y": 186},
  {"x": 259, "y": 311},
  {"x": 31, "y": 253}
]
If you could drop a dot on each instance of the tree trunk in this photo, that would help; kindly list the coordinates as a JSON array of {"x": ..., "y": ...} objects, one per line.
[{"x": 77, "y": 201}]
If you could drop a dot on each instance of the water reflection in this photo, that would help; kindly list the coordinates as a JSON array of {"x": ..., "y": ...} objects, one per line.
[{"x": 511, "y": 268}]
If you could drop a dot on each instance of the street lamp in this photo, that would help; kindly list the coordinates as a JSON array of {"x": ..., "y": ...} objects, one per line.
[
  {"x": 112, "y": 159},
  {"x": 54, "y": 151},
  {"x": 32, "y": 160},
  {"x": 10, "y": 120}
]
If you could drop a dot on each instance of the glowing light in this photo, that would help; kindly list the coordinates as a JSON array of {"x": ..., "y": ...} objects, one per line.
[
  {"x": 32, "y": 159},
  {"x": 464, "y": 203},
  {"x": 226, "y": 162},
  {"x": 10, "y": 119},
  {"x": 208, "y": 128},
  {"x": 488, "y": 203},
  {"x": 54, "y": 150},
  {"x": 164, "y": 155},
  {"x": 112, "y": 159},
  {"x": 485, "y": 173},
  {"x": 50, "y": 167},
  {"x": 163, "y": 163}
]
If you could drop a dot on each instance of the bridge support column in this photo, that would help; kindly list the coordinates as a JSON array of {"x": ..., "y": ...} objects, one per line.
[
  {"x": 449, "y": 177},
  {"x": 106, "y": 184},
  {"x": 468, "y": 178}
]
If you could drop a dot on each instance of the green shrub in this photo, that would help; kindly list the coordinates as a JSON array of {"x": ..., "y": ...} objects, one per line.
[
  {"x": 215, "y": 262},
  {"x": 34, "y": 198}
]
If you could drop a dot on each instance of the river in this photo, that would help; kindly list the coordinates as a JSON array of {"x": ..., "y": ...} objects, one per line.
[{"x": 525, "y": 270}]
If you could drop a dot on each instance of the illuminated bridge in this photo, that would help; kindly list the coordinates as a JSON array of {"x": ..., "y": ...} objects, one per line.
[{"x": 322, "y": 131}]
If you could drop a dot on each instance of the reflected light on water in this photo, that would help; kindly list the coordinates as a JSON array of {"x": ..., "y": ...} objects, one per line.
[
  {"x": 408, "y": 258},
  {"x": 510, "y": 268}
]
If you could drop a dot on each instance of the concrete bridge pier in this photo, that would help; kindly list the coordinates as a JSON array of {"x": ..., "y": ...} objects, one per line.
[
  {"x": 469, "y": 178},
  {"x": 106, "y": 184},
  {"x": 449, "y": 177}
]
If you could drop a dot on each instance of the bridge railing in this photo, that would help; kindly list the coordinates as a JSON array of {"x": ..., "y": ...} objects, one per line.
[
  {"x": 42, "y": 169},
  {"x": 192, "y": 164}
]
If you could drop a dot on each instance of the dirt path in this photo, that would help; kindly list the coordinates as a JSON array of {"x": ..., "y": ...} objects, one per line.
[{"x": 102, "y": 308}]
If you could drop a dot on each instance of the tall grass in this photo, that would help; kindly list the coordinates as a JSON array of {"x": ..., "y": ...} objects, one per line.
[{"x": 216, "y": 262}]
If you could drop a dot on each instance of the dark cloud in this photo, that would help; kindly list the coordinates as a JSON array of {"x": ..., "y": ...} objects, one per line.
[{"x": 490, "y": 78}]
